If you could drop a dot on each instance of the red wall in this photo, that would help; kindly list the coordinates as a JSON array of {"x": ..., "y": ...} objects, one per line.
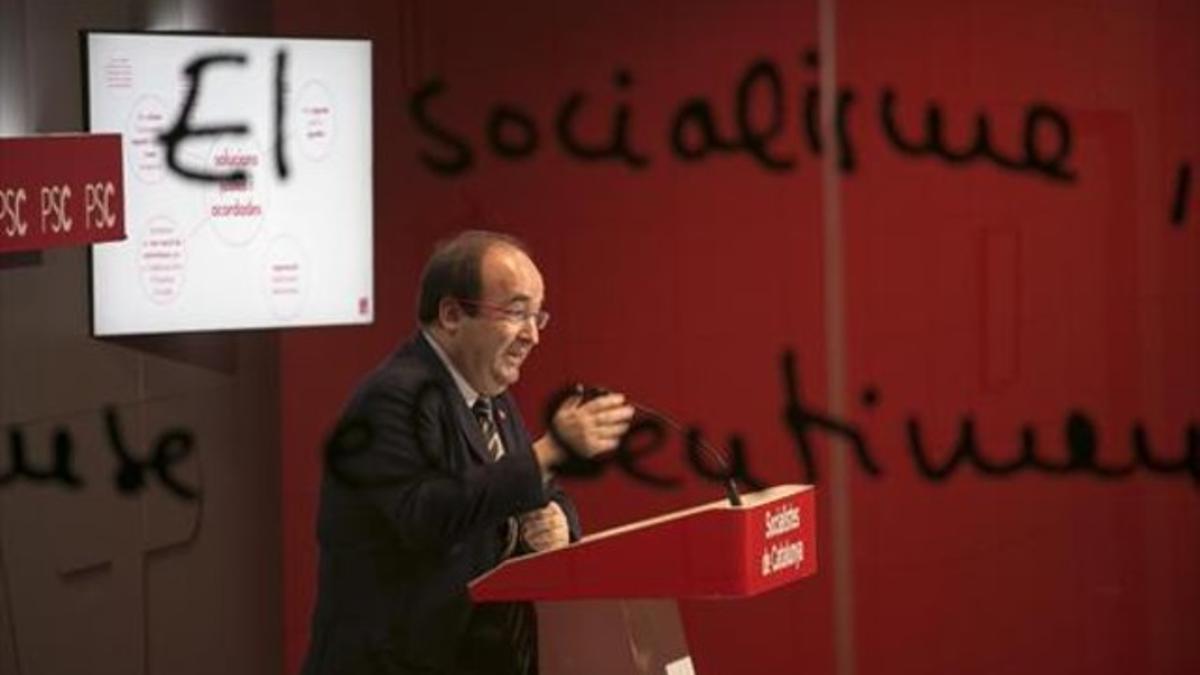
[{"x": 955, "y": 291}]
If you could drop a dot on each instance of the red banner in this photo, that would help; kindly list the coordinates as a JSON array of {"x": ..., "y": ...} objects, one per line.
[{"x": 60, "y": 190}]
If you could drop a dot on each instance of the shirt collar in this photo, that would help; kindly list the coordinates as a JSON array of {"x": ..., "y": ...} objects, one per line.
[{"x": 468, "y": 392}]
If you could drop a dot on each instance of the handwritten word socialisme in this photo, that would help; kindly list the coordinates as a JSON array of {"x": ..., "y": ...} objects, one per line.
[{"x": 755, "y": 127}]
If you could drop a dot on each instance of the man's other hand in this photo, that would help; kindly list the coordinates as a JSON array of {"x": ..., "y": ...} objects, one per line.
[
  {"x": 594, "y": 427},
  {"x": 545, "y": 528}
]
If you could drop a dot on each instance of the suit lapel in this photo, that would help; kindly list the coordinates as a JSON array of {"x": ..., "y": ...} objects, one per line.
[
  {"x": 470, "y": 428},
  {"x": 506, "y": 423},
  {"x": 464, "y": 419}
]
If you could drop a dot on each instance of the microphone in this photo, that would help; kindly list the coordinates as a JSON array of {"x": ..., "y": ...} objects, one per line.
[{"x": 587, "y": 393}]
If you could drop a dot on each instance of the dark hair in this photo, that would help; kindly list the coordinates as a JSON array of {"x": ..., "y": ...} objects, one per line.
[{"x": 455, "y": 270}]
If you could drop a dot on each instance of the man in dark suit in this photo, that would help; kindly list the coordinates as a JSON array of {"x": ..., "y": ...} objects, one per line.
[{"x": 432, "y": 479}]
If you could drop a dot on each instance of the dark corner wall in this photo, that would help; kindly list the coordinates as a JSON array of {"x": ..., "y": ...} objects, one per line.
[
  {"x": 99, "y": 579},
  {"x": 939, "y": 257}
]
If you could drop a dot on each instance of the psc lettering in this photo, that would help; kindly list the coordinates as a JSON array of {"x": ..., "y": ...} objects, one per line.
[
  {"x": 54, "y": 208},
  {"x": 99, "y": 208},
  {"x": 11, "y": 223}
]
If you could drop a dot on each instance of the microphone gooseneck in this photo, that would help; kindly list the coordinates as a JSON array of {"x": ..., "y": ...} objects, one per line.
[{"x": 731, "y": 492}]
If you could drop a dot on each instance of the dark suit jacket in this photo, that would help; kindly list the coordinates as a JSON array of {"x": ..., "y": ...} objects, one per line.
[{"x": 411, "y": 510}]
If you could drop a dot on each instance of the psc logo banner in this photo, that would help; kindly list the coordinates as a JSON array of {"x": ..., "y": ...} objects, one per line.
[{"x": 60, "y": 190}]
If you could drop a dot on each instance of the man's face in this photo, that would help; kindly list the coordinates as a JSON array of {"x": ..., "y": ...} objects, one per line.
[{"x": 491, "y": 346}]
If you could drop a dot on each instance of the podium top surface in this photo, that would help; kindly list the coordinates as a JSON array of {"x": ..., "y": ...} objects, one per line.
[{"x": 714, "y": 550}]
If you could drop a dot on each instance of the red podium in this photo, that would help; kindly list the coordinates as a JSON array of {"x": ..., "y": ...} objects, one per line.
[{"x": 607, "y": 604}]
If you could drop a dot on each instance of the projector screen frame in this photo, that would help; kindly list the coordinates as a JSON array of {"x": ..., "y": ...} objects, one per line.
[{"x": 85, "y": 60}]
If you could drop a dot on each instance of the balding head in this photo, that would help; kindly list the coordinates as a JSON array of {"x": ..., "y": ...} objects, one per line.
[
  {"x": 455, "y": 270},
  {"x": 481, "y": 300}
]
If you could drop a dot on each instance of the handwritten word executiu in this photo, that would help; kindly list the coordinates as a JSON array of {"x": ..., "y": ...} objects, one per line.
[
  {"x": 649, "y": 434},
  {"x": 1081, "y": 456},
  {"x": 1079, "y": 432}
]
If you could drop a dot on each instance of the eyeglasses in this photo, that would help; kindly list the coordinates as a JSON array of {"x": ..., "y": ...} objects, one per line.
[{"x": 512, "y": 314}]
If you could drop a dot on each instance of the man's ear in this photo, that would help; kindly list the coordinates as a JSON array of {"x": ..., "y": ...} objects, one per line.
[{"x": 450, "y": 314}]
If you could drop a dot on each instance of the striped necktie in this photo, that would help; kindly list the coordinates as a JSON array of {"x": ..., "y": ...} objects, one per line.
[
  {"x": 495, "y": 448},
  {"x": 491, "y": 433}
]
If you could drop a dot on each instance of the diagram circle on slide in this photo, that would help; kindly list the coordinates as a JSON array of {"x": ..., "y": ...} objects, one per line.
[
  {"x": 286, "y": 276},
  {"x": 147, "y": 120},
  {"x": 162, "y": 260},
  {"x": 236, "y": 211},
  {"x": 317, "y": 120}
]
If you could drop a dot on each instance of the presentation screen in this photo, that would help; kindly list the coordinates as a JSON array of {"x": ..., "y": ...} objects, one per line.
[{"x": 248, "y": 169}]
